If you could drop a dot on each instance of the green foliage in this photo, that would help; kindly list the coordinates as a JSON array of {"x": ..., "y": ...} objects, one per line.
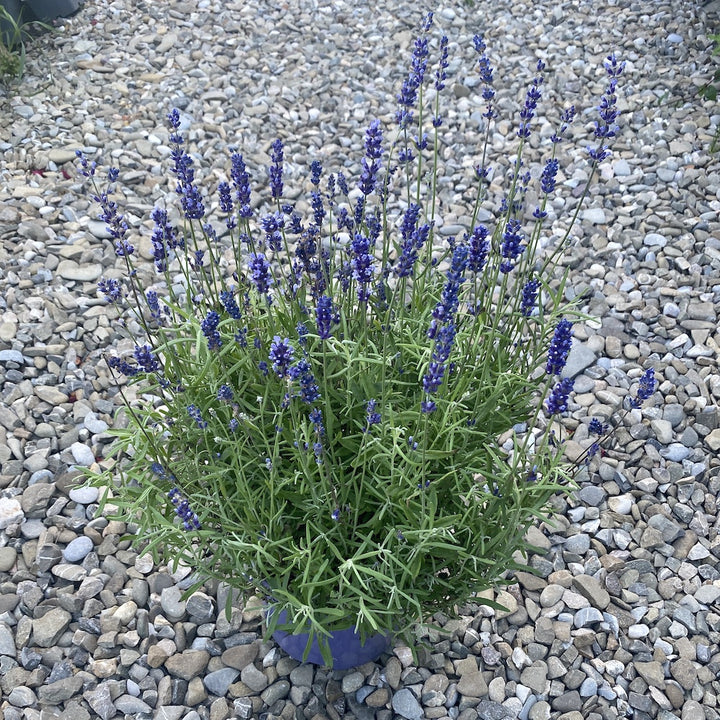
[
  {"x": 382, "y": 523},
  {"x": 710, "y": 90},
  {"x": 12, "y": 45}
]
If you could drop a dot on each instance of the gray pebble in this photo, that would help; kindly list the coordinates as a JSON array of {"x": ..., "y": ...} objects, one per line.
[{"x": 77, "y": 549}]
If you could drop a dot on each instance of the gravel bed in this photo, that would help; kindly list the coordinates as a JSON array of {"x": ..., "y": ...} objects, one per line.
[{"x": 623, "y": 617}]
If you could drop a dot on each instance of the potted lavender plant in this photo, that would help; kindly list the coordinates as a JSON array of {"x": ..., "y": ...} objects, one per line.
[{"x": 345, "y": 413}]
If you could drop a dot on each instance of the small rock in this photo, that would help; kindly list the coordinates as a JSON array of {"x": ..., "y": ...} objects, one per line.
[
  {"x": 255, "y": 679},
  {"x": 82, "y": 454},
  {"x": 472, "y": 684},
  {"x": 22, "y": 696},
  {"x": 10, "y": 512},
  {"x": 405, "y": 704},
  {"x": 8, "y": 557},
  {"x": 7, "y": 641},
  {"x": 84, "y": 495},
  {"x": 596, "y": 216},
  {"x": 70, "y": 270},
  {"x": 587, "y": 616},
  {"x": 188, "y": 664},
  {"x": 277, "y": 691},
  {"x": 48, "y": 628},
  {"x": 652, "y": 673},
  {"x": 590, "y": 588},
  {"x": 621, "y": 504},
  {"x": 240, "y": 656},
  {"x": 78, "y": 549},
  {"x": 173, "y": 607},
  {"x": 218, "y": 682}
]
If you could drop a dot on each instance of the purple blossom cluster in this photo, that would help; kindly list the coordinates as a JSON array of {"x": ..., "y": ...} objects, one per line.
[
  {"x": 190, "y": 196},
  {"x": 606, "y": 127},
  {"x": 275, "y": 171},
  {"x": 409, "y": 90},
  {"x": 188, "y": 517},
  {"x": 559, "y": 348},
  {"x": 531, "y": 100},
  {"x": 512, "y": 246},
  {"x": 241, "y": 183}
]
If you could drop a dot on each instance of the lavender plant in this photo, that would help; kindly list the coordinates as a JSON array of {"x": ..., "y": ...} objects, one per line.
[{"x": 342, "y": 412}]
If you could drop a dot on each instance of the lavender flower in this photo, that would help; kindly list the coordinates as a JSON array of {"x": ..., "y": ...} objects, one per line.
[
  {"x": 183, "y": 510},
  {"x": 531, "y": 100},
  {"x": 316, "y": 419},
  {"x": 146, "y": 361},
  {"x": 597, "y": 427},
  {"x": 309, "y": 390},
  {"x": 449, "y": 300},
  {"x": 260, "y": 273},
  {"x": 116, "y": 225},
  {"x": 315, "y": 172},
  {"x": 486, "y": 77},
  {"x": 241, "y": 183},
  {"x": 87, "y": 168},
  {"x": 645, "y": 389},
  {"x": 195, "y": 414},
  {"x": 111, "y": 288},
  {"x": 511, "y": 247},
  {"x": 606, "y": 127},
  {"x": 549, "y": 175},
  {"x": 478, "y": 247},
  {"x": 190, "y": 196},
  {"x": 529, "y": 297},
  {"x": 281, "y": 355},
  {"x": 362, "y": 265},
  {"x": 153, "y": 304},
  {"x": 209, "y": 326},
  {"x": 409, "y": 90},
  {"x": 373, "y": 141},
  {"x": 272, "y": 225},
  {"x": 122, "y": 366},
  {"x": 227, "y": 298},
  {"x": 566, "y": 119},
  {"x": 558, "y": 398},
  {"x": 324, "y": 314},
  {"x": 226, "y": 204},
  {"x": 443, "y": 345},
  {"x": 441, "y": 75},
  {"x": 275, "y": 171},
  {"x": 372, "y": 416},
  {"x": 559, "y": 348}
]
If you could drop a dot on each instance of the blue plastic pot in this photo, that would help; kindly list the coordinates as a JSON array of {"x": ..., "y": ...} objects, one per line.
[{"x": 346, "y": 647}]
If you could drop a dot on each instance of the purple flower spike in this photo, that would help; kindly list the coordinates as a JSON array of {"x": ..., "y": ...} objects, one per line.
[
  {"x": 372, "y": 416},
  {"x": 558, "y": 399},
  {"x": 209, "y": 326},
  {"x": 260, "y": 273},
  {"x": 529, "y": 297},
  {"x": 183, "y": 510},
  {"x": 511, "y": 247},
  {"x": 324, "y": 316},
  {"x": 275, "y": 171},
  {"x": 645, "y": 389},
  {"x": 195, "y": 414},
  {"x": 111, "y": 289},
  {"x": 241, "y": 183},
  {"x": 559, "y": 348},
  {"x": 281, "y": 355}
]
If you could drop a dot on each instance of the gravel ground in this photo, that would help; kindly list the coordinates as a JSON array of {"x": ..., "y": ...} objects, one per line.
[{"x": 623, "y": 618}]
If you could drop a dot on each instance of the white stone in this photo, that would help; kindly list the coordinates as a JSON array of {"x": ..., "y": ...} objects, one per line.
[
  {"x": 82, "y": 454},
  {"x": 596, "y": 216},
  {"x": 10, "y": 512},
  {"x": 621, "y": 504}
]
